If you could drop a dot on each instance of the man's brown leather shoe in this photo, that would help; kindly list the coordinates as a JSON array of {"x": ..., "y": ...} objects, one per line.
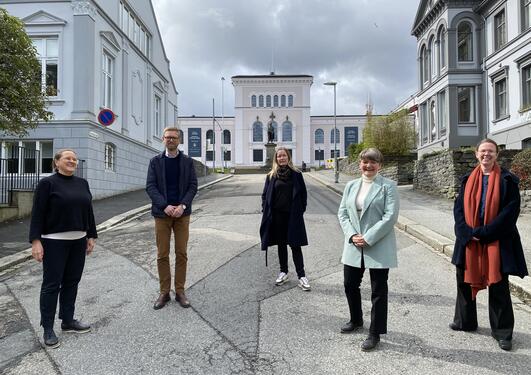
[
  {"x": 181, "y": 298},
  {"x": 161, "y": 301}
]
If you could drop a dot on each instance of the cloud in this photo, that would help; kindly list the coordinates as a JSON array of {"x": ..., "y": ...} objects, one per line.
[{"x": 364, "y": 45}]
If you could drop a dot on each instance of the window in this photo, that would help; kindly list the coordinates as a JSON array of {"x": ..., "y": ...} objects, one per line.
[
  {"x": 424, "y": 123},
  {"x": 466, "y": 104},
  {"x": 500, "y": 34},
  {"x": 424, "y": 63},
  {"x": 48, "y": 55},
  {"x": 283, "y": 100},
  {"x": 464, "y": 42},
  {"x": 209, "y": 155},
  {"x": 258, "y": 155},
  {"x": 526, "y": 143},
  {"x": 226, "y": 137},
  {"x": 181, "y": 137},
  {"x": 211, "y": 138},
  {"x": 319, "y": 136},
  {"x": 253, "y": 101},
  {"x": 526, "y": 14},
  {"x": 432, "y": 58},
  {"x": 442, "y": 117},
  {"x": 27, "y": 156},
  {"x": 107, "y": 69},
  {"x": 332, "y": 154},
  {"x": 132, "y": 26},
  {"x": 319, "y": 155},
  {"x": 442, "y": 48},
  {"x": 332, "y": 136},
  {"x": 287, "y": 131},
  {"x": 290, "y": 100},
  {"x": 433, "y": 125},
  {"x": 500, "y": 98},
  {"x": 268, "y": 101},
  {"x": 46, "y": 156},
  {"x": 226, "y": 155},
  {"x": 157, "y": 115},
  {"x": 258, "y": 132},
  {"x": 110, "y": 154},
  {"x": 275, "y": 101},
  {"x": 525, "y": 72},
  {"x": 261, "y": 101}
]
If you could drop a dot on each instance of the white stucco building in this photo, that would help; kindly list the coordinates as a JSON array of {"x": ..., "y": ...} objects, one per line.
[
  {"x": 98, "y": 54},
  {"x": 285, "y": 102},
  {"x": 474, "y": 62}
]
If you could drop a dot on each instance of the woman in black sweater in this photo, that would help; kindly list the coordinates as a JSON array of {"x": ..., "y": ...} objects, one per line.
[
  {"x": 283, "y": 205},
  {"x": 62, "y": 232}
]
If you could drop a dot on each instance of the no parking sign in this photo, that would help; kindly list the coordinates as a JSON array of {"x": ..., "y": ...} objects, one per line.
[{"x": 106, "y": 117}]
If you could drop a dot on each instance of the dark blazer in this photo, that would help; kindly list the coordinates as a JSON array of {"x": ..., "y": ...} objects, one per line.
[
  {"x": 502, "y": 228},
  {"x": 156, "y": 184},
  {"x": 296, "y": 229}
]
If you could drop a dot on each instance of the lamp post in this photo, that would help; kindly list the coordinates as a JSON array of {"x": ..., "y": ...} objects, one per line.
[
  {"x": 224, "y": 162},
  {"x": 336, "y": 172}
]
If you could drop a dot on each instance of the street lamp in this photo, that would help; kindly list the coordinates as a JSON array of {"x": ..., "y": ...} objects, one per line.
[
  {"x": 224, "y": 162},
  {"x": 336, "y": 171}
]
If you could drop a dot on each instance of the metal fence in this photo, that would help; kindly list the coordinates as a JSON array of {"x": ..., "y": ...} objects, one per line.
[{"x": 20, "y": 170}]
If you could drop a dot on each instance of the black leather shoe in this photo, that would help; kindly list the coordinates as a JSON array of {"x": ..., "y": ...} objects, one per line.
[
  {"x": 50, "y": 339},
  {"x": 350, "y": 327},
  {"x": 75, "y": 326},
  {"x": 161, "y": 301},
  {"x": 370, "y": 342},
  {"x": 505, "y": 344},
  {"x": 455, "y": 327},
  {"x": 181, "y": 298}
]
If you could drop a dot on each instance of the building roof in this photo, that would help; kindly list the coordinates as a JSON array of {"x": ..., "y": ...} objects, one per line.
[{"x": 274, "y": 76}]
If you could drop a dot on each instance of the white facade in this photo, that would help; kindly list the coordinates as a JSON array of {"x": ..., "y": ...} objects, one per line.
[
  {"x": 472, "y": 55},
  {"x": 282, "y": 100},
  {"x": 99, "y": 54}
]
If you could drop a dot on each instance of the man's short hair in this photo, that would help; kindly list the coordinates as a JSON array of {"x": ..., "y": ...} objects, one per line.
[{"x": 171, "y": 129}]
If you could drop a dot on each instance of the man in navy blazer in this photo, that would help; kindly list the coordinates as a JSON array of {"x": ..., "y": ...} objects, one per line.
[{"x": 171, "y": 184}]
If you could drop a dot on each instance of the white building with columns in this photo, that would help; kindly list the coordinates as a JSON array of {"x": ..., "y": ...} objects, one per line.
[{"x": 282, "y": 101}]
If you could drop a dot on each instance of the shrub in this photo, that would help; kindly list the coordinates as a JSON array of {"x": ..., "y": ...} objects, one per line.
[
  {"x": 521, "y": 166},
  {"x": 354, "y": 150}
]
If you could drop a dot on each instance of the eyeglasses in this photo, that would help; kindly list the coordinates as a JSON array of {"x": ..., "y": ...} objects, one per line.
[{"x": 171, "y": 138}]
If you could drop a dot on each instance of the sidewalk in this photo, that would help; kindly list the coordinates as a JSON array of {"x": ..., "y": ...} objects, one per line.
[
  {"x": 107, "y": 213},
  {"x": 430, "y": 219}
]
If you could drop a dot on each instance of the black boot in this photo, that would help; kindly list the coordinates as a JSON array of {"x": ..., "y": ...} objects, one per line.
[{"x": 370, "y": 342}]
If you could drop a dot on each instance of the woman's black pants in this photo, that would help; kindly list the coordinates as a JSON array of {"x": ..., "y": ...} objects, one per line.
[
  {"x": 501, "y": 314},
  {"x": 280, "y": 233},
  {"x": 379, "y": 292},
  {"x": 63, "y": 264}
]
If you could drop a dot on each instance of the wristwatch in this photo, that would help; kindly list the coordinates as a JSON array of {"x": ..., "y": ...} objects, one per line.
[{"x": 184, "y": 206}]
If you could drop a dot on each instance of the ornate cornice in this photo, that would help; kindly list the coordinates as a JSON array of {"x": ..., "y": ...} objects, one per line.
[{"x": 84, "y": 8}]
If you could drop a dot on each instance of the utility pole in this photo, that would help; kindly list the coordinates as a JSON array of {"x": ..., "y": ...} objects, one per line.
[{"x": 213, "y": 138}]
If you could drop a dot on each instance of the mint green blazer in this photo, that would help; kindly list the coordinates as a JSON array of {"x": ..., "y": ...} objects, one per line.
[{"x": 375, "y": 222}]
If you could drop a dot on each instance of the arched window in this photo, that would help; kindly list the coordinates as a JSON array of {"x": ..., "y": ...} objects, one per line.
[
  {"x": 181, "y": 137},
  {"x": 319, "y": 136},
  {"x": 425, "y": 64},
  {"x": 421, "y": 65},
  {"x": 253, "y": 101},
  {"x": 275, "y": 101},
  {"x": 464, "y": 42},
  {"x": 283, "y": 100},
  {"x": 268, "y": 101},
  {"x": 432, "y": 57},
  {"x": 287, "y": 131},
  {"x": 110, "y": 157},
  {"x": 526, "y": 143},
  {"x": 442, "y": 48},
  {"x": 226, "y": 137},
  {"x": 210, "y": 136},
  {"x": 261, "y": 101},
  {"x": 290, "y": 100},
  {"x": 332, "y": 136},
  {"x": 433, "y": 117},
  {"x": 258, "y": 131}
]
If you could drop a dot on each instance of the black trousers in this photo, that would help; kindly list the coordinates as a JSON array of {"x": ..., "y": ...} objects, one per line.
[
  {"x": 280, "y": 234},
  {"x": 63, "y": 264},
  {"x": 501, "y": 314},
  {"x": 379, "y": 296}
]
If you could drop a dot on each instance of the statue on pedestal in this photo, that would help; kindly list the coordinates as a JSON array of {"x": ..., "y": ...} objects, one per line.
[{"x": 271, "y": 129}]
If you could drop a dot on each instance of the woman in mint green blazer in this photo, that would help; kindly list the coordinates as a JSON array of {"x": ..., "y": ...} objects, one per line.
[{"x": 367, "y": 214}]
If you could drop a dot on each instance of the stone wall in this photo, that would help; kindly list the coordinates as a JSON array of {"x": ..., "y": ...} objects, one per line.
[{"x": 396, "y": 168}]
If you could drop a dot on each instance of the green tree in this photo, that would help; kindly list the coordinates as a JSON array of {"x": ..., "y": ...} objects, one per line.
[
  {"x": 393, "y": 134},
  {"x": 22, "y": 102}
]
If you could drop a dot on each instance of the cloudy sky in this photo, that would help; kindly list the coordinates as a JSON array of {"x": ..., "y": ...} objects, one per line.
[{"x": 364, "y": 45}]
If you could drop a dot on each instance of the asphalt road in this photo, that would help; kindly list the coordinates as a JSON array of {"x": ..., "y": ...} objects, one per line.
[{"x": 240, "y": 322}]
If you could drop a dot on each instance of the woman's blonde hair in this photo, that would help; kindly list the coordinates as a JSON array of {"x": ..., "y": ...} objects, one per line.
[
  {"x": 275, "y": 166},
  {"x": 58, "y": 155}
]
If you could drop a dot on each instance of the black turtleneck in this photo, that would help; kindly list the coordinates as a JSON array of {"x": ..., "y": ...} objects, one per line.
[
  {"x": 62, "y": 204},
  {"x": 283, "y": 190}
]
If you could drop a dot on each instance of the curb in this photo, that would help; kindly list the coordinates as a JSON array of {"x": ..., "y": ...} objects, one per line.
[
  {"x": 441, "y": 244},
  {"x": 22, "y": 256}
]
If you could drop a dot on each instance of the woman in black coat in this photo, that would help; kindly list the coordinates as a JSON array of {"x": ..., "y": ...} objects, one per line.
[
  {"x": 487, "y": 247},
  {"x": 283, "y": 205}
]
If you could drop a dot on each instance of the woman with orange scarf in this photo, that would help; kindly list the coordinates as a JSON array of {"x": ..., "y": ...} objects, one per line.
[{"x": 487, "y": 247}]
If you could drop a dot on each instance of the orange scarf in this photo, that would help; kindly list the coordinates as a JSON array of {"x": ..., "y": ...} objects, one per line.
[{"x": 483, "y": 261}]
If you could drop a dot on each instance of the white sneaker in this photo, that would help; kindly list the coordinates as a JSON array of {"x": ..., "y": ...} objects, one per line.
[
  {"x": 281, "y": 279},
  {"x": 304, "y": 284}
]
